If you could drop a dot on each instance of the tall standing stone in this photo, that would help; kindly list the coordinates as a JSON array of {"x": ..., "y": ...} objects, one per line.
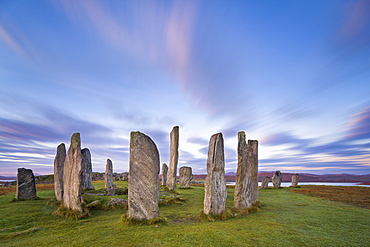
[
  {"x": 72, "y": 175},
  {"x": 277, "y": 178},
  {"x": 241, "y": 200},
  {"x": 186, "y": 175},
  {"x": 164, "y": 174},
  {"x": 215, "y": 184},
  {"x": 265, "y": 182},
  {"x": 295, "y": 178},
  {"x": 86, "y": 175},
  {"x": 26, "y": 186},
  {"x": 59, "y": 160},
  {"x": 143, "y": 185},
  {"x": 174, "y": 158},
  {"x": 253, "y": 167},
  {"x": 108, "y": 176}
]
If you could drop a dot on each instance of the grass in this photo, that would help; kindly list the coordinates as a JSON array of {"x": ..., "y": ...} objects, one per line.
[{"x": 285, "y": 219}]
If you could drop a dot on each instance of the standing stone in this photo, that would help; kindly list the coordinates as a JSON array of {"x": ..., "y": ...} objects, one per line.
[
  {"x": 253, "y": 168},
  {"x": 242, "y": 179},
  {"x": 174, "y": 158},
  {"x": 72, "y": 175},
  {"x": 125, "y": 176},
  {"x": 215, "y": 183},
  {"x": 59, "y": 160},
  {"x": 108, "y": 176},
  {"x": 86, "y": 175},
  {"x": 276, "y": 179},
  {"x": 143, "y": 185},
  {"x": 295, "y": 179},
  {"x": 186, "y": 176},
  {"x": 164, "y": 174},
  {"x": 26, "y": 186},
  {"x": 265, "y": 182}
]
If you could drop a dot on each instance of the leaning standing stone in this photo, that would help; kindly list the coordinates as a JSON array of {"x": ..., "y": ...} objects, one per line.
[
  {"x": 174, "y": 157},
  {"x": 143, "y": 185},
  {"x": 108, "y": 176},
  {"x": 59, "y": 160},
  {"x": 26, "y": 186},
  {"x": 295, "y": 179},
  {"x": 265, "y": 182},
  {"x": 215, "y": 184},
  {"x": 186, "y": 176},
  {"x": 276, "y": 179},
  {"x": 253, "y": 167},
  {"x": 86, "y": 176},
  {"x": 164, "y": 174},
  {"x": 242, "y": 181},
  {"x": 72, "y": 175}
]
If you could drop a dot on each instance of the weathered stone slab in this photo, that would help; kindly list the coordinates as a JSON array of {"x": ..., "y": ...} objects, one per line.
[
  {"x": 174, "y": 158},
  {"x": 186, "y": 175},
  {"x": 72, "y": 175},
  {"x": 108, "y": 176},
  {"x": 164, "y": 174},
  {"x": 242, "y": 180},
  {"x": 59, "y": 160},
  {"x": 265, "y": 182},
  {"x": 215, "y": 184},
  {"x": 277, "y": 178},
  {"x": 253, "y": 168},
  {"x": 295, "y": 179},
  {"x": 26, "y": 186},
  {"x": 143, "y": 185},
  {"x": 86, "y": 175}
]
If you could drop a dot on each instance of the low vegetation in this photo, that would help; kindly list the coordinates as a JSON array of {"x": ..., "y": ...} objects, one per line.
[{"x": 286, "y": 218}]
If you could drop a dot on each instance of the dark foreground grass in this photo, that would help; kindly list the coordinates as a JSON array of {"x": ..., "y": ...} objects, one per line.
[{"x": 285, "y": 219}]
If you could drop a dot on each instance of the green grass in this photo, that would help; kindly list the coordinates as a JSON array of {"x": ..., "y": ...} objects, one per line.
[{"x": 285, "y": 219}]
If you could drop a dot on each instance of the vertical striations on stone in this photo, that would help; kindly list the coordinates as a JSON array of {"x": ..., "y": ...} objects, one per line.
[
  {"x": 86, "y": 175},
  {"x": 215, "y": 184},
  {"x": 186, "y": 175},
  {"x": 276, "y": 179},
  {"x": 295, "y": 178},
  {"x": 265, "y": 182},
  {"x": 164, "y": 174},
  {"x": 253, "y": 167},
  {"x": 59, "y": 160},
  {"x": 72, "y": 175},
  {"x": 108, "y": 176},
  {"x": 143, "y": 183},
  {"x": 26, "y": 186},
  {"x": 242, "y": 180},
  {"x": 174, "y": 158}
]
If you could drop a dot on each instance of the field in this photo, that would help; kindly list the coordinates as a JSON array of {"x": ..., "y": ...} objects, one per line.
[{"x": 287, "y": 218}]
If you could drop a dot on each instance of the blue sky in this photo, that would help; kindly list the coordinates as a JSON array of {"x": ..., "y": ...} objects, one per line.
[{"x": 294, "y": 75}]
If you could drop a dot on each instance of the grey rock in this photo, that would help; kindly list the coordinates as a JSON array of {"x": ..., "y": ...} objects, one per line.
[
  {"x": 86, "y": 175},
  {"x": 242, "y": 179},
  {"x": 143, "y": 185},
  {"x": 108, "y": 176},
  {"x": 174, "y": 158},
  {"x": 186, "y": 176},
  {"x": 72, "y": 175},
  {"x": 125, "y": 176},
  {"x": 253, "y": 168},
  {"x": 26, "y": 186},
  {"x": 111, "y": 191},
  {"x": 59, "y": 160},
  {"x": 164, "y": 174},
  {"x": 265, "y": 182},
  {"x": 295, "y": 179},
  {"x": 118, "y": 202},
  {"x": 215, "y": 183},
  {"x": 277, "y": 178}
]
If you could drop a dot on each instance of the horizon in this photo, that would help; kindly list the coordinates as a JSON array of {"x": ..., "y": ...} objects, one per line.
[{"x": 293, "y": 75}]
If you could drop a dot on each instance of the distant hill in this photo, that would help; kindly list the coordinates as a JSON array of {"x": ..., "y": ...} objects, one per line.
[{"x": 7, "y": 178}]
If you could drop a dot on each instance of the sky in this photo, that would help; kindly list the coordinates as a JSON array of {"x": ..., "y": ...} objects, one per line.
[{"x": 294, "y": 75}]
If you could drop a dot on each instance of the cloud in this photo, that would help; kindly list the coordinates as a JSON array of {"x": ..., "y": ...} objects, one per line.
[{"x": 359, "y": 127}]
